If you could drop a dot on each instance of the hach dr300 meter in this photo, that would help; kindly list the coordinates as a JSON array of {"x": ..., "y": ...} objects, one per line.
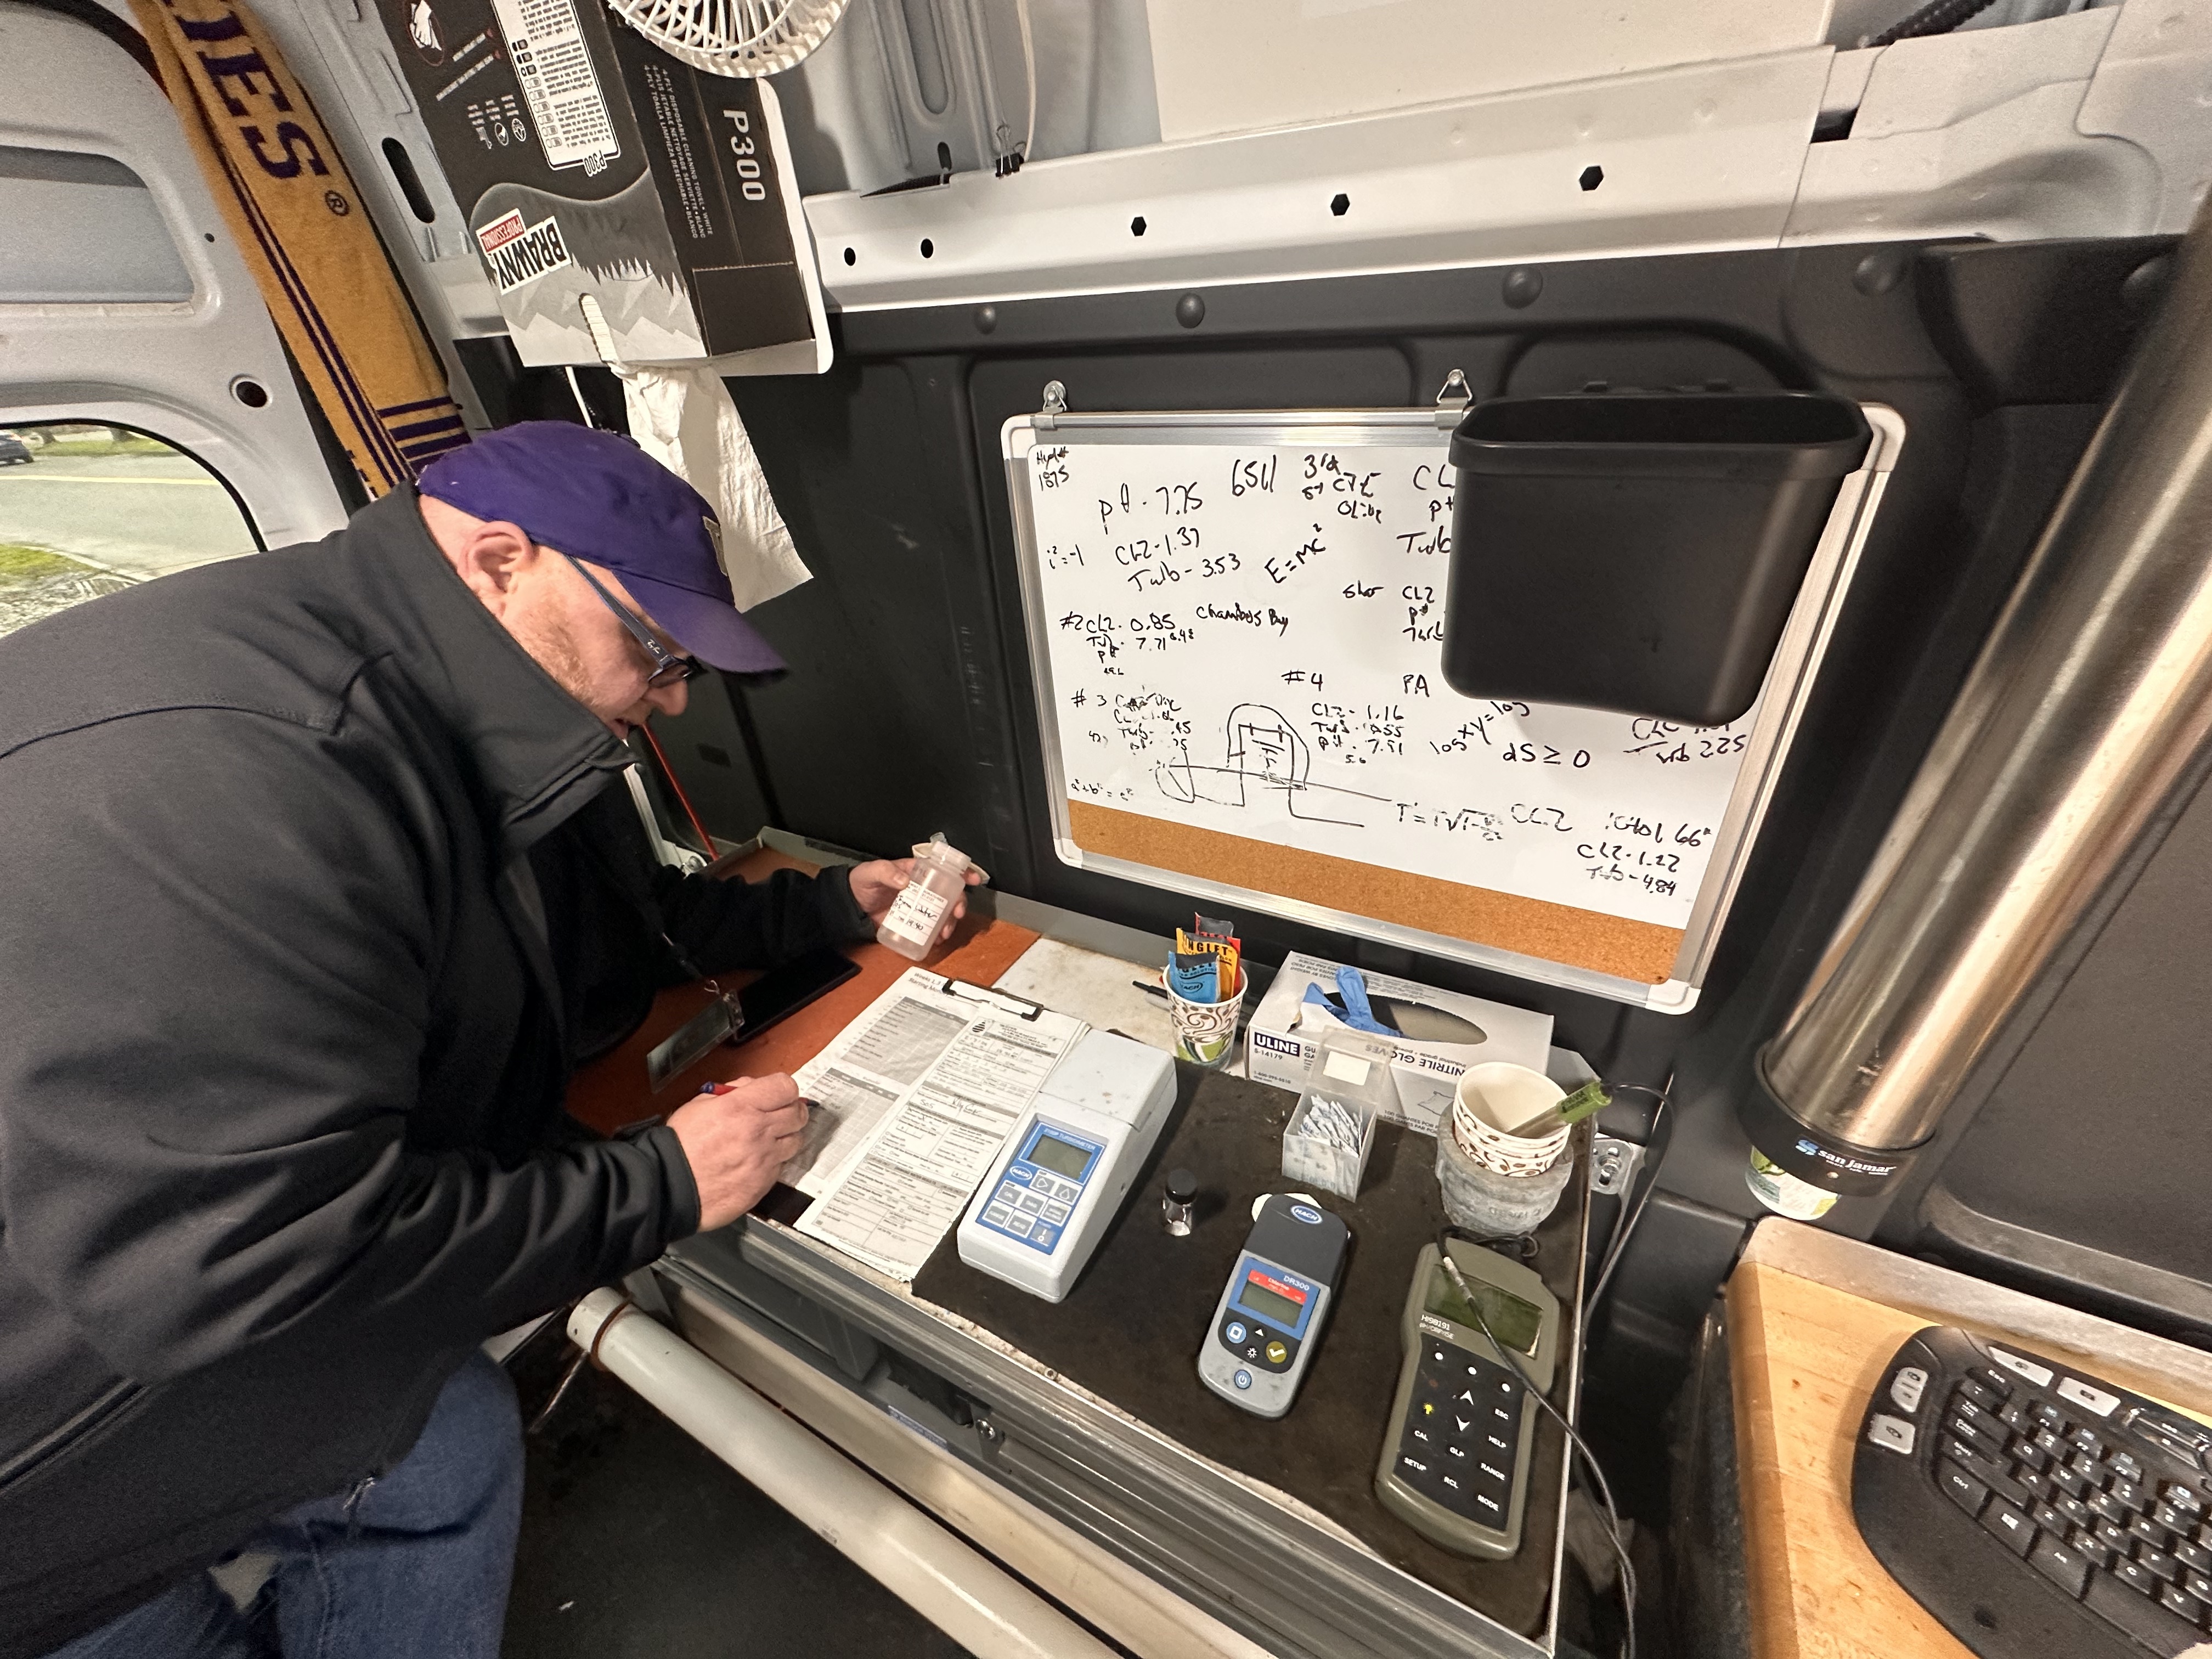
[
  {"x": 1268, "y": 1321},
  {"x": 1068, "y": 1165}
]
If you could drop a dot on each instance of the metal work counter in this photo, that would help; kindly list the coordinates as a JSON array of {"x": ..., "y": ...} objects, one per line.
[{"x": 1075, "y": 1441}]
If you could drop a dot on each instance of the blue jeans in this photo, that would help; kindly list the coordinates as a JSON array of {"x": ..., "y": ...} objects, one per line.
[{"x": 417, "y": 1569}]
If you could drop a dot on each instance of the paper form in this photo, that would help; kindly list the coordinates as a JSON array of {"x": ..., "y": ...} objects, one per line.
[{"x": 914, "y": 1098}]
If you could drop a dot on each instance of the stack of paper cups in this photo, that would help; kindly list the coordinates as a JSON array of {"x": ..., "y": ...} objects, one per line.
[{"x": 1493, "y": 1103}]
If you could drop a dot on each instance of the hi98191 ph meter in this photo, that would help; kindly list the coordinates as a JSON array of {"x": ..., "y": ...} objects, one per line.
[
  {"x": 1068, "y": 1165},
  {"x": 1456, "y": 1457}
]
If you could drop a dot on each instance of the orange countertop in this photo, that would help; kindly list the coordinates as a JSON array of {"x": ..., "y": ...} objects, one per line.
[{"x": 611, "y": 1092}]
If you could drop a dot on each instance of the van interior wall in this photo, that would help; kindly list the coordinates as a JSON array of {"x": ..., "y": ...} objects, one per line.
[
  {"x": 909, "y": 705},
  {"x": 2070, "y": 1171},
  {"x": 909, "y": 708}
]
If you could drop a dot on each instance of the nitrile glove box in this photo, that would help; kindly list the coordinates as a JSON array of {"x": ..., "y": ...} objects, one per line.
[{"x": 1435, "y": 1035}]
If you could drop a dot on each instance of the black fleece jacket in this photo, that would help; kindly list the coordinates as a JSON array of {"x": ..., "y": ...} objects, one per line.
[{"x": 310, "y": 895}]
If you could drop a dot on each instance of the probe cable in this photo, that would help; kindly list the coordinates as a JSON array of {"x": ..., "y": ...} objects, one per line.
[{"x": 1589, "y": 1458}]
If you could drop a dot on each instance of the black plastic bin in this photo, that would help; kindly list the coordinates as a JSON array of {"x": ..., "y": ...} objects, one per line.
[{"x": 1637, "y": 552}]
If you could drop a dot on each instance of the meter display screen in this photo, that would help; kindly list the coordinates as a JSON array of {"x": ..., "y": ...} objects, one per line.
[
  {"x": 1051, "y": 1153},
  {"x": 1512, "y": 1321},
  {"x": 1271, "y": 1298}
]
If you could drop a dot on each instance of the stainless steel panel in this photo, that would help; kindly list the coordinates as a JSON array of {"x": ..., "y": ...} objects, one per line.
[{"x": 2085, "y": 717}]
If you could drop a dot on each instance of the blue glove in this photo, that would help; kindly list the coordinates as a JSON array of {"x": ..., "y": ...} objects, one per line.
[{"x": 1357, "y": 1012}]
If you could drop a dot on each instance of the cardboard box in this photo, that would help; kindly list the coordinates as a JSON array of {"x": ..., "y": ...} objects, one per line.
[
  {"x": 1285, "y": 1030},
  {"x": 593, "y": 166}
]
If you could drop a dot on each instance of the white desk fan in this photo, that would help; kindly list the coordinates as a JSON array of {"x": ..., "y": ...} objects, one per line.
[{"x": 743, "y": 38}]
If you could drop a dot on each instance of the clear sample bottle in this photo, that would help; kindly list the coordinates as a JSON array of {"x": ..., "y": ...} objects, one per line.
[
  {"x": 940, "y": 874},
  {"x": 1177, "y": 1202}
]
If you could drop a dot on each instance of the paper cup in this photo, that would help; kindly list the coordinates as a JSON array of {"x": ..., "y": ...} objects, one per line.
[
  {"x": 1492, "y": 1100},
  {"x": 1206, "y": 1032}
]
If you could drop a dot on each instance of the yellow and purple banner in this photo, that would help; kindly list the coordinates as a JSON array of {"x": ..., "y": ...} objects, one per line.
[{"x": 296, "y": 217}]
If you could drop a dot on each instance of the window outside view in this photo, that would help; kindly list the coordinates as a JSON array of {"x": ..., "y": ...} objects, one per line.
[{"x": 87, "y": 509}]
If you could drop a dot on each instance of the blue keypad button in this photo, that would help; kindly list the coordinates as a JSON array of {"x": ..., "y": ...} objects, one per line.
[
  {"x": 1044, "y": 1235},
  {"x": 1044, "y": 1183},
  {"x": 1018, "y": 1227},
  {"x": 1008, "y": 1192},
  {"x": 1235, "y": 1333},
  {"x": 1243, "y": 1379},
  {"x": 997, "y": 1215}
]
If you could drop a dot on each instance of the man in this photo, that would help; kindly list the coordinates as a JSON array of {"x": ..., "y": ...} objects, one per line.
[{"x": 314, "y": 895}]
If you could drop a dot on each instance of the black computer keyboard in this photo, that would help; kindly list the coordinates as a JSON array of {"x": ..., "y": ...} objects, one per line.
[{"x": 2037, "y": 1512}]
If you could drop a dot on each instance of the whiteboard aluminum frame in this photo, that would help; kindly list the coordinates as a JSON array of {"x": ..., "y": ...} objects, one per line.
[{"x": 1797, "y": 657}]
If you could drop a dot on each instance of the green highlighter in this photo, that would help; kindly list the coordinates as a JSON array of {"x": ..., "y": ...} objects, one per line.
[{"x": 1456, "y": 1458}]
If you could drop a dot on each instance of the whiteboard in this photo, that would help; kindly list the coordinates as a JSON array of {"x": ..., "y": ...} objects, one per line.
[{"x": 1235, "y": 623}]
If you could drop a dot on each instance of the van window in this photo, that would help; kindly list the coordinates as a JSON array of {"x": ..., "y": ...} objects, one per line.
[{"x": 87, "y": 509}]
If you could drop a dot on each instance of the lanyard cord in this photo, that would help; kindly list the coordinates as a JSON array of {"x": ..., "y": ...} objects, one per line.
[
  {"x": 706, "y": 841},
  {"x": 653, "y": 920}
]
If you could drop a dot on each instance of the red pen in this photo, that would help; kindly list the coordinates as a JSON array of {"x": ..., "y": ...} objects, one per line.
[{"x": 731, "y": 1088}]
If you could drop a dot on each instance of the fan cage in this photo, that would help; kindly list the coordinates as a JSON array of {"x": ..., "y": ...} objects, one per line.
[{"x": 743, "y": 38}]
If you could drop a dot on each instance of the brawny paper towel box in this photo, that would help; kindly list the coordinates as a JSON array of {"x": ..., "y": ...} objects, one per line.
[{"x": 591, "y": 165}]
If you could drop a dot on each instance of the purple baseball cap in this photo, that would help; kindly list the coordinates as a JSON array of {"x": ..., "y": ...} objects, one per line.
[{"x": 597, "y": 495}]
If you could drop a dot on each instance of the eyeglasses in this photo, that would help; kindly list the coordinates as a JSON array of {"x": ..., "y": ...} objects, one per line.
[{"x": 667, "y": 670}]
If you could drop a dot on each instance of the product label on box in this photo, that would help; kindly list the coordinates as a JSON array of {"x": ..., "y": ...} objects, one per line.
[
  {"x": 519, "y": 253},
  {"x": 553, "y": 66},
  {"x": 1346, "y": 1068}
]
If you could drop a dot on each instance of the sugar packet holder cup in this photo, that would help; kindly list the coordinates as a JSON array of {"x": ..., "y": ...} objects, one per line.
[
  {"x": 1349, "y": 1087},
  {"x": 1206, "y": 1032},
  {"x": 1325, "y": 1144}
]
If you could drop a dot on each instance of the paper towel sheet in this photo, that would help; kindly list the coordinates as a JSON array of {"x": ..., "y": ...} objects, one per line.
[{"x": 682, "y": 417}]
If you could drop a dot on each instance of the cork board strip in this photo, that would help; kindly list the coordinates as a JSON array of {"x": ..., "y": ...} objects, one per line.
[{"x": 1640, "y": 950}]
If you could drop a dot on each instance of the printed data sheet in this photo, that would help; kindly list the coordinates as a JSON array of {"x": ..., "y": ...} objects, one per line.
[{"x": 913, "y": 1100}]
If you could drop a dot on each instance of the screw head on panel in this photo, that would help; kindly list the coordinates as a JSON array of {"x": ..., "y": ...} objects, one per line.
[
  {"x": 1880, "y": 271},
  {"x": 2145, "y": 284}
]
